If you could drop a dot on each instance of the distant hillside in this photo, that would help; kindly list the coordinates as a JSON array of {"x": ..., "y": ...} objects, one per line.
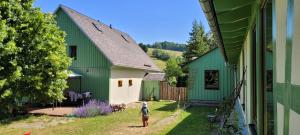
[
  {"x": 160, "y": 63},
  {"x": 166, "y": 45}
]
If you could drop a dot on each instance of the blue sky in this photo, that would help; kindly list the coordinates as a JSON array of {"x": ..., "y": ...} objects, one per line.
[{"x": 147, "y": 21}]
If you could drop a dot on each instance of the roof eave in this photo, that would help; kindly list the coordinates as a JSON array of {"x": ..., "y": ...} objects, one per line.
[
  {"x": 188, "y": 63},
  {"x": 151, "y": 69},
  {"x": 209, "y": 11}
]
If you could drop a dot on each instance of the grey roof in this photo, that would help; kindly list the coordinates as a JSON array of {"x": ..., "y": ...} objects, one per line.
[
  {"x": 155, "y": 76},
  {"x": 118, "y": 47},
  {"x": 187, "y": 63}
]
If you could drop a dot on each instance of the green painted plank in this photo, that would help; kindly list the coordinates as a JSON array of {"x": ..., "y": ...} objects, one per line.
[
  {"x": 210, "y": 61},
  {"x": 150, "y": 89},
  {"x": 90, "y": 62}
]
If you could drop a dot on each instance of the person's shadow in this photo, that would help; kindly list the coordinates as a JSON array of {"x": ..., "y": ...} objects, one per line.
[{"x": 135, "y": 126}]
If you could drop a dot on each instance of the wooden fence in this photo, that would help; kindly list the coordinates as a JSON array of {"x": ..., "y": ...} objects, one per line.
[{"x": 168, "y": 92}]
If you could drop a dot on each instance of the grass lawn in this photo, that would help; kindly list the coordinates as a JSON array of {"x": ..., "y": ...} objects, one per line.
[
  {"x": 164, "y": 119},
  {"x": 191, "y": 122},
  {"x": 160, "y": 63}
]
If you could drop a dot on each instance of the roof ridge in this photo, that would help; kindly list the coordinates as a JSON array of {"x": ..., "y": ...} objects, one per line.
[
  {"x": 98, "y": 21},
  {"x": 113, "y": 37},
  {"x": 63, "y": 6}
]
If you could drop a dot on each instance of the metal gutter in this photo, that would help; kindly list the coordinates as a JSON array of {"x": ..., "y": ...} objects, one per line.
[{"x": 210, "y": 13}]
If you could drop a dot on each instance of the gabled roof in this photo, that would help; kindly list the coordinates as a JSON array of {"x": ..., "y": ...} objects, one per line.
[
  {"x": 185, "y": 64},
  {"x": 155, "y": 77},
  {"x": 118, "y": 47}
]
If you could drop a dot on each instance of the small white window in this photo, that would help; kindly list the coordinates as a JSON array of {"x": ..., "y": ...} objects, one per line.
[
  {"x": 120, "y": 83},
  {"x": 130, "y": 83}
]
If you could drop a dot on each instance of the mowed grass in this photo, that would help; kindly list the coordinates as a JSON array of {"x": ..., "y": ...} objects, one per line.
[
  {"x": 96, "y": 125},
  {"x": 192, "y": 121},
  {"x": 165, "y": 118},
  {"x": 160, "y": 63}
]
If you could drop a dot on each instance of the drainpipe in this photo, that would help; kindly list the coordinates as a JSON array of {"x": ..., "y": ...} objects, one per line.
[
  {"x": 235, "y": 76},
  {"x": 210, "y": 13}
]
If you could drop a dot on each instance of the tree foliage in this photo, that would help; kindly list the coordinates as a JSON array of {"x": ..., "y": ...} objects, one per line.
[
  {"x": 144, "y": 47},
  {"x": 212, "y": 41},
  {"x": 160, "y": 54},
  {"x": 169, "y": 46},
  {"x": 198, "y": 43},
  {"x": 173, "y": 70},
  {"x": 33, "y": 59}
]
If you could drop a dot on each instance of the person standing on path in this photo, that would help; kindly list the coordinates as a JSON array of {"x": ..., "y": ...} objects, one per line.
[{"x": 145, "y": 114}]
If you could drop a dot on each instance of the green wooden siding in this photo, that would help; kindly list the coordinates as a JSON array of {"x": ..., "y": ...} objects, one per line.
[
  {"x": 150, "y": 89},
  {"x": 74, "y": 84},
  {"x": 211, "y": 61},
  {"x": 90, "y": 62},
  {"x": 286, "y": 93}
]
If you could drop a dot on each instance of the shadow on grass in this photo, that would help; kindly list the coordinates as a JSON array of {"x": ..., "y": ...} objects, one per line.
[
  {"x": 196, "y": 123},
  {"x": 10, "y": 119},
  {"x": 171, "y": 106},
  {"x": 135, "y": 126}
]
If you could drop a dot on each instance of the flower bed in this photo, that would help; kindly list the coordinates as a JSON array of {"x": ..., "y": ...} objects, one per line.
[{"x": 93, "y": 108}]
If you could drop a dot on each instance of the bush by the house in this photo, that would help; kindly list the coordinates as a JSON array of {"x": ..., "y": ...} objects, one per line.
[
  {"x": 93, "y": 108},
  {"x": 160, "y": 54},
  {"x": 33, "y": 58},
  {"x": 173, "y": 71},
  {"x": 118, "y": 107}
]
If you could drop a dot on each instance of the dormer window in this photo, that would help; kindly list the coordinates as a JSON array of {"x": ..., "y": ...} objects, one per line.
[
  {"x": 96, "y": 26},
  {"x": 124, "y": 38}
]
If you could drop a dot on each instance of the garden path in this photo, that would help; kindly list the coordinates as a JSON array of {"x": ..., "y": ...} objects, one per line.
[{"x": 155, "y": 125}]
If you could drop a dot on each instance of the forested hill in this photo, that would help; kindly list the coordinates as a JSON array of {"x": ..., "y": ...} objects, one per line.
[{"x": 167, "y": 46}]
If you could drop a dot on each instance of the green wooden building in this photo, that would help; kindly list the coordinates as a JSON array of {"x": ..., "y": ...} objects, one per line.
[
  {"x": 207, "y": 78},
  {"x": 252, "y": 34},
  {"x": 110, "y": 63},
  {"x": 151, "y": 85}
]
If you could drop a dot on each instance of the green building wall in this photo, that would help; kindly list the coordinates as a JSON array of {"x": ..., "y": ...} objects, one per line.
[
  {"x": 90, "y": 62},
  {"x": 211, "y": 61},
  {"x": 286, "y": 40},
  {"x": 151, "y": 88}
]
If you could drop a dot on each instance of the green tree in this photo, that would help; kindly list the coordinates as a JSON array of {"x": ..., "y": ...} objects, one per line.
[
  {"x": 160, "y": 54},
  {"x": 198, "y": 43},
  {"x": 144, "y": 47},
  {"x": 173, "y": 71},
  {"x": 169, "y": 46},
  {"x": 212, "y": 41},
  {"x": 33, "y": 59}
]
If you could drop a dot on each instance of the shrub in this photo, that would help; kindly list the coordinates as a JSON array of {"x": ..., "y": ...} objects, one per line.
[
  {"x": 93, "y": 108},
  {"x": 173, "y": 71},
  {"x": 160, "y": 54}
]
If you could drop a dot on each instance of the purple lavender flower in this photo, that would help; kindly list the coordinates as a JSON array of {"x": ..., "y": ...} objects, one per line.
[{"x": 93, "y": 108}]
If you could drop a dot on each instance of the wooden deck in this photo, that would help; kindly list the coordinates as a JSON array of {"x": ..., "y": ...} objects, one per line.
[{"x": 56, "y": 111}]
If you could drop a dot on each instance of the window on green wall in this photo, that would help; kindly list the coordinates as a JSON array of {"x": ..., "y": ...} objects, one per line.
[
  {"x": 211, "y": 78},
  {"x": 73, "y": 52}
]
